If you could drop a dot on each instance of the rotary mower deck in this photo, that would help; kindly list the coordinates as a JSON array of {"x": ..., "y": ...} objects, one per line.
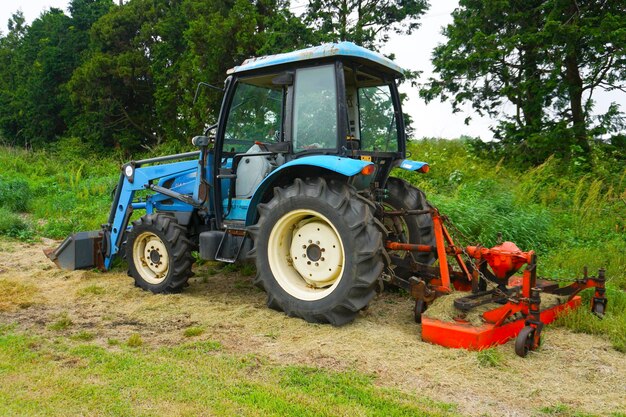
[{"x": 520, "y": 313}]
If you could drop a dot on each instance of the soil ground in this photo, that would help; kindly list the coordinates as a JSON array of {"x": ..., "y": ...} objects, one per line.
[{"x": 575, "y": 371}]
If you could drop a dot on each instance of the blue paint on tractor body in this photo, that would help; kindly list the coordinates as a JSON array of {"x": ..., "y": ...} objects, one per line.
[
  {"x": 344, "y": 166},
  {"x": 410, "y": 165}
]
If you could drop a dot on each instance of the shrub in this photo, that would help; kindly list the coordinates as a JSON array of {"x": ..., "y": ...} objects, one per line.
[
  {"x": 15, "y": 194},
  {"x": 13, "y": 225}
]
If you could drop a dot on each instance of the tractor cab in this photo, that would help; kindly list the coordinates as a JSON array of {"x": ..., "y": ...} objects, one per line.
[{"x": 337, "y": 100}]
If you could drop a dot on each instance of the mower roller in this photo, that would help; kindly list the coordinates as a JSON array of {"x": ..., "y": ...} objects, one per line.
[{"x": 296, "y": 177}]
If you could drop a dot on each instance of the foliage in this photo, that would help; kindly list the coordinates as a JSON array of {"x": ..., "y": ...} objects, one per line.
[
  {"x": 125, "y": 76},
  {"x": 15, "y": 195},
  {"x": 364, "y": 22},
  {"x": 37, "y": 62},
  {"x": 541, "y": 56},
  {"x": 13, "y": 225}
]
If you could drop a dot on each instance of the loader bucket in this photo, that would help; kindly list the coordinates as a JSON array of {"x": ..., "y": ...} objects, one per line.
[{"x": 79, "y": 251}]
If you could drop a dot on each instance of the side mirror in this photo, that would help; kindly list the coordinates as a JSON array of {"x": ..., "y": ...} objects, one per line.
[{"x": 200, "y": 141}]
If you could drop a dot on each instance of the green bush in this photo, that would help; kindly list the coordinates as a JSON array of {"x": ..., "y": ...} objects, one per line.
[
  {"x": 13, "y": 225},
  {"x": 15, "y": 194}
]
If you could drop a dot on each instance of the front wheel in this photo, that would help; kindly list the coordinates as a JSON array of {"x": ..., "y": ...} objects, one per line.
[
  {"x": 318, "y": 251},
  {"x": 159, "y": 254}
]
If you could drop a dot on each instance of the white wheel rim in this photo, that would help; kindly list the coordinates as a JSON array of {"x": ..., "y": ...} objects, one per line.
[
  {"x": 306, "y": 254},
  {"x": 151, "y": 258}
]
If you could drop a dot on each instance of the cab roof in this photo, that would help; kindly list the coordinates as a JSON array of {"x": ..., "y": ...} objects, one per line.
[{"x": 342, "y": 49}]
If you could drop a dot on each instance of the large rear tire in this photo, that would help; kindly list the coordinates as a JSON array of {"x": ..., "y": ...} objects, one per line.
[
  {"x": 159, "y": 254},
  {"x": 416, "y": 229},
  {"x": 318, "y": 251}
]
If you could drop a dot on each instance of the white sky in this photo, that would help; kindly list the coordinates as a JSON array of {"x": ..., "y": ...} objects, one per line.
[{"x": 412, "y": 52}]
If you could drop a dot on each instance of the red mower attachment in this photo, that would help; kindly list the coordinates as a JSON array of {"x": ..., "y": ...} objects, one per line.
[{"x": 512, "y": 309}]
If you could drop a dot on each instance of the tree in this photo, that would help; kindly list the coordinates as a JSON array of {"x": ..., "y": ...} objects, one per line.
[
  {"x": 364, "y": 22},
  {"x": 136, "y": 87},
  {"x": 38, "y": 61},
  {"x": 11, "y": 68},
  {"x": 541, "y": 56}
]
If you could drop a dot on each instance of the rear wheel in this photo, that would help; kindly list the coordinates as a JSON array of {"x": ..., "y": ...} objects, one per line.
[
  {"x": 417, "y": 229},
  {"x": 159, "y": 254},
  {"x": 318, "y": 251}
]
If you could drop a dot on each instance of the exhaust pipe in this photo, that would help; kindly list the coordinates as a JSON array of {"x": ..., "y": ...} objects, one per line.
[{"x": 81, "y": 250}]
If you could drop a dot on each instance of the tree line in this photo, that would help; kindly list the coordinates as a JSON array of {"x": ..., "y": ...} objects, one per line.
[{"x": 124, "y": 75}]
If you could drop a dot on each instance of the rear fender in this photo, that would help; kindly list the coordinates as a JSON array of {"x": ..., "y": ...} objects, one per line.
[
  {"x": 415, "y": 166},
  {"x": 318, "y": 165}
]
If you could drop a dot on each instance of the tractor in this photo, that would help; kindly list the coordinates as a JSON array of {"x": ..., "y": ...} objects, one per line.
[{"x": 295, "y": 176}]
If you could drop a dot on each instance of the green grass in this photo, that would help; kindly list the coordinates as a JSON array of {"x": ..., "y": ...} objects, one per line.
[
  {"x": 562, "y": 410},
  {"x": 134, "y": 340},
  {"x": 93, "y": 289},
  {"x": 489, "y": 358},
  {"x": 61, "y": 377},
  {"x": 63, "y": 322},
  {"x": 83, "y": 335},
  {"x": 193, "y": 331}
]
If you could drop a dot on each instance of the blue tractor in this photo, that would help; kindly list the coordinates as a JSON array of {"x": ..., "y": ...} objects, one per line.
[{"x": 295, "y": 175}]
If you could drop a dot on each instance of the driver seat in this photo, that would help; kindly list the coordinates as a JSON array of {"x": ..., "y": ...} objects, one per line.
[{"x": 251, "y": 171}]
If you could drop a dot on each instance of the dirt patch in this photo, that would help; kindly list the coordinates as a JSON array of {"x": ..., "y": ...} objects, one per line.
[{"x": 580, "y": 371}]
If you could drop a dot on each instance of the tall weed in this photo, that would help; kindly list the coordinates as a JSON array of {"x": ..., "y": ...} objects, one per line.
[{"x": 15, "y": 194}]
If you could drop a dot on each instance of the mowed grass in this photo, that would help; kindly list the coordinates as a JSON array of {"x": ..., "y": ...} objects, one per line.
[
  {"x": 15, "y": 294},
  {"x": 68, "y": 377}
]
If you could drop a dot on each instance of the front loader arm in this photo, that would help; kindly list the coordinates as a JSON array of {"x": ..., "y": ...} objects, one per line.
[
  {"x": 99, "y": 248},
  {"x": 133, "y": 179}
]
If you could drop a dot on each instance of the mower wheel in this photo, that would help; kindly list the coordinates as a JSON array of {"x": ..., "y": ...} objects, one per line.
[
  {"x": 524, "y": 341},
  {"x": 598, "y": 310},
  {"x": 416, "y": 229},
  {"x": 420, "y": 307},
  {"x": 318, "y": 251},
  {"x": 159, "y": 254}
]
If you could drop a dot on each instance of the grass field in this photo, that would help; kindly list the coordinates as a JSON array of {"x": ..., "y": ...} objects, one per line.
[
  {"x": 88, "y": 343},
  {"x": 71, "y": 377},
  {"x": 64, "y": 351}
]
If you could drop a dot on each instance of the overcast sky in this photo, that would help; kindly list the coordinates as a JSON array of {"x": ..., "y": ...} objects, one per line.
[{"x": 412, "y": 52}]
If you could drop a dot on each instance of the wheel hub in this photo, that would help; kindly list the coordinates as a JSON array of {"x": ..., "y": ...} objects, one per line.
[
  {"x": 316, "y": 253},
  {"x": 313, "y": 252},
  {"x": 155, "y": 256}
]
